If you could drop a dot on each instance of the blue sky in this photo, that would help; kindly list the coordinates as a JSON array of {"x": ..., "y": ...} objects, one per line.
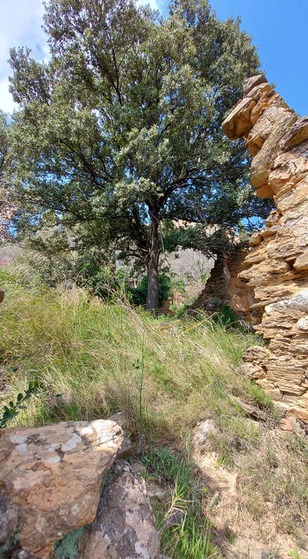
[{"x": 278, "y": 28}]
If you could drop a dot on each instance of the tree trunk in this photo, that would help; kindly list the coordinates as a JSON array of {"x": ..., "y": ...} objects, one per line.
[
  {"x": 152, "y": 264},
  {"x": 153, "y": 285}
]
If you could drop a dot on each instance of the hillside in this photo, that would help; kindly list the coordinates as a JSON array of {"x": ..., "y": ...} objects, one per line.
[{"x": 166, "y": 375}]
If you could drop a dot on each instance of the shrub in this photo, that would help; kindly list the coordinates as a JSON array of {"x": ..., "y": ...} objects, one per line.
[{"x": 138, "y": 295}]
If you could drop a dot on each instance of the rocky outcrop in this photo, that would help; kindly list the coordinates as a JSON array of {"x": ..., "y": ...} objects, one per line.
[
  {"x": 276, "y": 267},
  {"x": 50, "y": 479},
  {"x": 224, "y": 286},
  {"x": 124, "y": 526}
]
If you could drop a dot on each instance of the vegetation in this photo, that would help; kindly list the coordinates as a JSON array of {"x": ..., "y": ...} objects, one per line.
[
  {"x": 7, "y": 209},
  {"x": 116, "y": 148},
  {"x": 65, "y": 341},
  {"x": 184, "y": 530},
  {"x": 166, "y": 374},
  {"x": 120, "y": 132}
]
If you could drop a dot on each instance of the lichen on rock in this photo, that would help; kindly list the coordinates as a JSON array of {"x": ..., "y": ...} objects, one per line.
[{"x": 51, "y": 478}]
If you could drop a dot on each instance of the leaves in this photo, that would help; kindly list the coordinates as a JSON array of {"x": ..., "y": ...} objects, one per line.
[
  {"x": 12, "y": 409},
  {"x": 121, "y": 129}
]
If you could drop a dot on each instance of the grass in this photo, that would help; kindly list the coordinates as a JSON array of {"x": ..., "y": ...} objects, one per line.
[
  {"x": 275, "y": 475},
  {"x": 93, "y": 360},
  {"x": 184, "y": 529}
]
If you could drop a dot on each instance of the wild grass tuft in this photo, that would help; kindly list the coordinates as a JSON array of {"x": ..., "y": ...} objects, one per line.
[{"x": 184, "y": 529}]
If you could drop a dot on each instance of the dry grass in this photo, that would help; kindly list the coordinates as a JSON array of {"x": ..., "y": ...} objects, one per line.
[{"x": 273, "y": 485}]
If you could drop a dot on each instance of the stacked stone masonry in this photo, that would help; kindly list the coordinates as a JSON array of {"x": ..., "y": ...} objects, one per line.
[{"x": 276, "y": 267}]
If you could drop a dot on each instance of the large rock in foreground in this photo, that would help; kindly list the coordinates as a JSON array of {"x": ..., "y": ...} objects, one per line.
[{"x": 51, "y": 479}]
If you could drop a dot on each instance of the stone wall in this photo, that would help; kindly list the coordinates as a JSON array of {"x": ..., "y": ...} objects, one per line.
[
  {"x": 277, "y": 264},
  {"x": 224, "y": 286}
]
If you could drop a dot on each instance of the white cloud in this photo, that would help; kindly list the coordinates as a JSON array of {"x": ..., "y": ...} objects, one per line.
[{"x": 20, "y": 25}]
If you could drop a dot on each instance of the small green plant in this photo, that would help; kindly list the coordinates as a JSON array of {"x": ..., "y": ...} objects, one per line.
[
  {"x": 226, "y": 316},
  {"x": 68, "y": 547},
  {"x": 260, "y": 397},
  {"x": 13, "y": 408}
]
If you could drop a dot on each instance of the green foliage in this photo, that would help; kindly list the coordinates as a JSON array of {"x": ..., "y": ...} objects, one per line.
[
  {"x": 138, "y": 295},
  {"x": 184, "y": 530},
  {"x": 72, "y": 343},
  {"x": 121, "y": 129},
  {"x": 9, "y": 546},
  {"x": 260, "y": 397},
  {"x": 11, "y": 410},
  {"x": 295, "y": 554},
  {"x": 226, "y": 316}
]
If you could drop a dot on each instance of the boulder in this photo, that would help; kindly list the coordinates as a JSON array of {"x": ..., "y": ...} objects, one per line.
[
  {"x": 51, "y": 478},
  {"x": 124, "y": 527}
]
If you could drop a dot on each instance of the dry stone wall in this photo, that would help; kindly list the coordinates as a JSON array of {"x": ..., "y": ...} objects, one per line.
[{"x": 276, "y": 267}]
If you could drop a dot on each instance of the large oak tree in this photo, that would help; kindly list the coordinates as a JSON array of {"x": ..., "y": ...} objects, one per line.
[{"x": 120, "y": 131}]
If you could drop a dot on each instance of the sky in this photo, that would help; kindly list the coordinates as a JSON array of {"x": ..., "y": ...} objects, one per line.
[{"x": 278, "y": 29}]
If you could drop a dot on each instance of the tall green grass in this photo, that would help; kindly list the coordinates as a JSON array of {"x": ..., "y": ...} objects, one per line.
[{"x": 95, "y": 359}]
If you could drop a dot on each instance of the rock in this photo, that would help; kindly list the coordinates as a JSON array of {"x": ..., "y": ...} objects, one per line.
[
  {"x": 251, "y": 410},
  {"x": 225, "y": 286},
  {"x": 201, "y": 433},
  {"x": 302, "y": 323},
  {"x": 52, "y": 477},
  {"x": 158, "y": 492},
  {"x": 9, "y": 517},
  {"x": 124, "y": 527},
  {"x": 127, "y": 447},
  {"x": 276, "y": 267},
  {"x": 301, "y": 262},
  {"x": 250, "y": 83},
  {"x": 285, "y": 424}
]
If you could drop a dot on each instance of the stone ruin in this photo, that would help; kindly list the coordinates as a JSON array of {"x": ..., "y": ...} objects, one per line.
[{"x": 276, "y": 267}]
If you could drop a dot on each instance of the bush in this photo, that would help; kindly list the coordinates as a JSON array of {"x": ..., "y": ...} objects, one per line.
[
  {"x": 138, "y": 295},
  {"x": 226, "y": 316}
]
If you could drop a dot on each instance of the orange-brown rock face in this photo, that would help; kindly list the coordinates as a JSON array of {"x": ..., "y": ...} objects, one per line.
[
  {"x": 50, "y": 480},
  {"x": 277, "y": 264}
]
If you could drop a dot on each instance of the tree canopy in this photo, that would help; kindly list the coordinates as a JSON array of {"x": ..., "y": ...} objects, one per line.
[
  {"x": 7, "y": 208},
  {"x": 120, "y": 131}
]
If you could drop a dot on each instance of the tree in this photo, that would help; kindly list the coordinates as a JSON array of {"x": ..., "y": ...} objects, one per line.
[
  {"x": 121, "y": 130},
  {"x": 7, "y": 208}
]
